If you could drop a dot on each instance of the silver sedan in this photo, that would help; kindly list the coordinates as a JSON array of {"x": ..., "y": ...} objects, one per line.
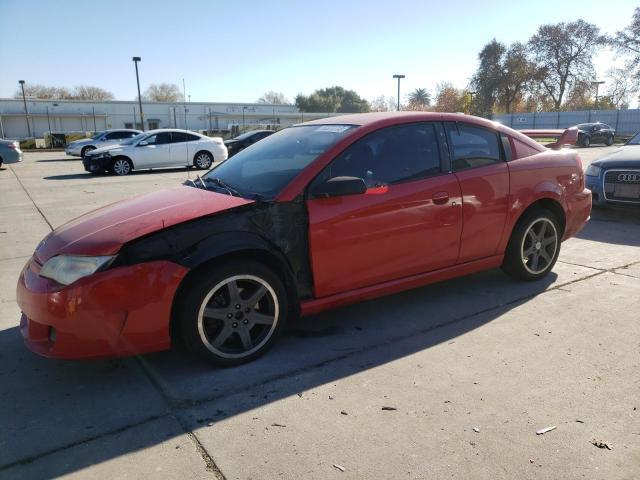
[
  {"x": 80, "y": 148},
  {"x": 10, "y": 151}
]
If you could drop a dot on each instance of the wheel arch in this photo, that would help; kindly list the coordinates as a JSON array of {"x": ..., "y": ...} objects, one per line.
[
  {"x": 547, "y": 203},
  {"x": 225, "y": 248},
  {"x": 202, "y": 150},
  {"x": 133, "y": 165}
]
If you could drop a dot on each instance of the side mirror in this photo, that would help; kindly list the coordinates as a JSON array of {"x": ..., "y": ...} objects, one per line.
[
  {"x": 340, "y": 186},
  {"x": 143, "y": 143}
]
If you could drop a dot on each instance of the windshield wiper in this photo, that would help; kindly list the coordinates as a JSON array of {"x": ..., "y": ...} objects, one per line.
[{"x": 225, "y": 186}]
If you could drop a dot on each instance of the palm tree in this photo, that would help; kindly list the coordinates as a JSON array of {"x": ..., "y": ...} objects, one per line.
[{"x": 419, "y": 99}]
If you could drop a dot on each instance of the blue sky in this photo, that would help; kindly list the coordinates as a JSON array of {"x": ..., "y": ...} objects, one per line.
[{"x": 236, "y": 50}]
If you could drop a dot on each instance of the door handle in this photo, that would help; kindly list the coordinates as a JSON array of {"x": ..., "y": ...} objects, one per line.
[{"x": 440, "y": 198}]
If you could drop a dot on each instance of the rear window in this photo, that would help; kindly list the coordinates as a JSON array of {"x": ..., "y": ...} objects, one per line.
[{"x": 522, "y": 150}]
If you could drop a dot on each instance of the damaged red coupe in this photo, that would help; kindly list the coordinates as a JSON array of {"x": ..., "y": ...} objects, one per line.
[{"x": 316, "y": 216}]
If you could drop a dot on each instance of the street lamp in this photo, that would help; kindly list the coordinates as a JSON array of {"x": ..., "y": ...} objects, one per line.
[
  {"x": 135, "y": 61},
  {"x": 398, "y": 77},
  {"x": 243, "y": 109},
  {"x": 26, "y": 112},
  {"x": 471, "y": 94},
  {"x": 597, "y": 83}
]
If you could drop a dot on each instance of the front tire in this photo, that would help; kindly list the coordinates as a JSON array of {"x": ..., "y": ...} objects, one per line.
[
  {"x": 121, "y": 166},
  {"x": 586, "y": 141},
  {"x": 232, "y": 314},
  {"x": 534, "y": 246},
  {"x": 203, "y": 160},
  {"x": 609, "y": 141}
]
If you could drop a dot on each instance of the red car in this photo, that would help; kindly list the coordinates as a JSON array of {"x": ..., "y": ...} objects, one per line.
[{"x": 318, "y": 215}]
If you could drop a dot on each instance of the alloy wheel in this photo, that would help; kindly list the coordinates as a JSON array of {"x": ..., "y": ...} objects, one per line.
[
  {"x": 121, "y": 167},
  {"x": 238, "y": 316},
  {"x": 203, "y": 160},
  {"x": 539, "y": 245}
]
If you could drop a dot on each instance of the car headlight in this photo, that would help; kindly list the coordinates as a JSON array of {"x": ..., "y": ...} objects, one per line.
[
  {"x": 66, "y": 269},
  {"x": 593, "y": 170}
]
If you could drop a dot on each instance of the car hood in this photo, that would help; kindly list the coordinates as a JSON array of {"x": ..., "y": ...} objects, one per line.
[
  {"x": 109, "y": 148},
  {"x": 627, "y": 156},
  {"x": 105, "y": 230}
]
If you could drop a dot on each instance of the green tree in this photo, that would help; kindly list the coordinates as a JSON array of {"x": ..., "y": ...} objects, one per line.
[
  {"x": 419, "y": 99},
  {"x": 487, "y": 79},
  {"x": 563, "y": 54},
  {"x": 331, "y": 100}
]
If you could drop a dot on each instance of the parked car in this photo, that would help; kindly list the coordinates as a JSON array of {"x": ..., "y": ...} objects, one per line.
[
  {"x": 157, "y": 149},
  {"x": 80, "y": 148},
  {"x": 10, "y": 151},
  {"x": 589, "y": 133},
  {"x": 315, "y": 216},
  {"x": 241, "y": 142},
  {"x": 615, "y": 178}
]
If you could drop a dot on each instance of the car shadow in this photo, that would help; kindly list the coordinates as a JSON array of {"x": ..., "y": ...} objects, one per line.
[
  {"x": 85, "y": 175},
  {"x": 620, "y": 226},
  {"x": 68, "y": 159},
  {"x": 52, "y": 405}
]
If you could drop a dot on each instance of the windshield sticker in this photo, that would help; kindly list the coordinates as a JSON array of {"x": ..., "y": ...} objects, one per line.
[{"x": 332, "y": 128}]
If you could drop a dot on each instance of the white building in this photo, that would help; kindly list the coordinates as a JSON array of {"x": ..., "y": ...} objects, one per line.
[{"x": 67, "y": 116}]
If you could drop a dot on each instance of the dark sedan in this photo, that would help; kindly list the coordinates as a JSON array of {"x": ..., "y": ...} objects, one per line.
[
  {"x": 589, "y": 133},
  {"x": 615, "y": 178},
  {"x": 241, "y": 142}
]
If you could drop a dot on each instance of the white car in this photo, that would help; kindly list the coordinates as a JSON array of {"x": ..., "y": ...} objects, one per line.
[
  {"x": 157, "y": 149},
  {"x": 80, "y": 148}
]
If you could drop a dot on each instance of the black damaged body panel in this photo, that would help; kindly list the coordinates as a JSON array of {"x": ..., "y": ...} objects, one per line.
[{"x": 279, "y": 228}]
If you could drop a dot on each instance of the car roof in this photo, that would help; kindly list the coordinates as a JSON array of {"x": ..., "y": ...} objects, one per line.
[
  {"x": 121, "y": 130},
  {"x": 160, "y": 130},
  {"x": 362, "y": 119}
]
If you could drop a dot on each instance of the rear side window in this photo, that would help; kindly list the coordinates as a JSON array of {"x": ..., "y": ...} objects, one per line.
[
  {"x": 390, "y": 155},
  {"x": 177, "y": 137},
  {"x": 471, "y": 146},
  {"x": 523, "y": 150}
]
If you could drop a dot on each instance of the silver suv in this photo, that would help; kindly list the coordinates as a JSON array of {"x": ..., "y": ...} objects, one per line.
[{"x": 80, "y": 148}]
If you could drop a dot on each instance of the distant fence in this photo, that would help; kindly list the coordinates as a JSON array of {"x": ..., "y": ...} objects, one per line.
[{"x": 625, "y": 122}]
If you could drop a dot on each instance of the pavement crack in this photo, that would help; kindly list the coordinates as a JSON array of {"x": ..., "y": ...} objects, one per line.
[{"x": 29, "y": 196}]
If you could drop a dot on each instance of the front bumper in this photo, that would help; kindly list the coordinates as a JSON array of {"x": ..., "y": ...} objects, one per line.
[
  {"x": 95, "y": 165},
  {"x": 73, "y": 152},
  {"x": 117, "y": 312},
  {"x": 596, "y": 185},
  {"x": 12, "y": 156}
]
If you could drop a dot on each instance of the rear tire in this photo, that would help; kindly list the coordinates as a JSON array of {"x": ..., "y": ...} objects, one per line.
[
  {"x": 534, "y": 246},
  {"x": 233, "y": 313},
  {"x": 203, "y": 160}
]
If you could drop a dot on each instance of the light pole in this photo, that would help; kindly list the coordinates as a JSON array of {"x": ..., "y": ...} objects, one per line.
[
  {"x": 243, "y": 109},
  {"x": 136, "y": 60},
  {"x": 597, "y": 83},
  {"x": 471, "y": 94},
  {"x": 398, "y": 77},
  {"x": 26, "y": 112}
]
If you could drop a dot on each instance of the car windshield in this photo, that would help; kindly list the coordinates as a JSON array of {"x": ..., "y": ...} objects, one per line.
[
  {"x": 266, "y": 167},
  {"x": 635, "y": 140},
  {"x": 132, "y": 140},
  {"x": 97, "y": 135}
]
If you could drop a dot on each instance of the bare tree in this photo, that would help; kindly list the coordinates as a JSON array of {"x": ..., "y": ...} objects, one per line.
[
  {"x": 274, "y": 98},
  {"x": 627, "y": 42},
  {"x": 563, "y": 55},
  {"x": 35, "y": 90},
  {"x": 87, "y": 92},
  {"x": 621, "y": 87},
  {"x": 162, "y": 92},
  {"x": 383, "y": 104}
]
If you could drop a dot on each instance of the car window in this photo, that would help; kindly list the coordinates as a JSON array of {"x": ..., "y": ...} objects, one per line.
[
  {"x": 128, "y": 134},
  {"x": 112, "y": 136},
  {"x": 178, "y": 137},
  {"x": 159, "y": 138},
  {"x": 390, "y": 155},
  {"x": 471, "y": 146}
]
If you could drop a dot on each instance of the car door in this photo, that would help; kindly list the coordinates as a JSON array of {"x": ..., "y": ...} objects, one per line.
[
  {"x": 179, "y": 148},
  {"x": 478, "y": 162},
  {"x": 153, "y": 151},
  {"x": 409, "y": 220}
]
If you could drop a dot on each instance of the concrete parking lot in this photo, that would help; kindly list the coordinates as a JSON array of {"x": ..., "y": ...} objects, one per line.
[{"x": 448, "y": 381}]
